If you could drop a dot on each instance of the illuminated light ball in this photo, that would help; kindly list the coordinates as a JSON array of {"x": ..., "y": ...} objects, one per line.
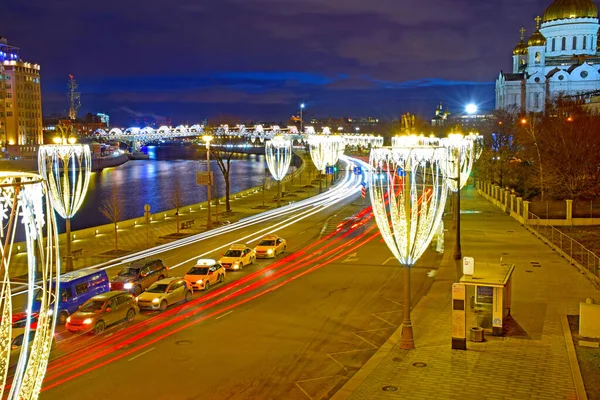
[{"x": 471, "y": 108}]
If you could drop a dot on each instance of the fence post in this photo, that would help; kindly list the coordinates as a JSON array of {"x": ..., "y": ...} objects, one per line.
[
  {"x": 569, "y": 211},
  {"x": 519, "y": 206},
  {"x": 512, "y": 203},
  {"x": 525, "y": 212}
]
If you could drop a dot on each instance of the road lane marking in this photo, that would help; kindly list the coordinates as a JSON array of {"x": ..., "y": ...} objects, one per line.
[
  {"x": 222, "y": 315},
  {"x": 351, "y": 258},
  {"x": 141, "y": 354},
  {"x": 390, "y": 258}
]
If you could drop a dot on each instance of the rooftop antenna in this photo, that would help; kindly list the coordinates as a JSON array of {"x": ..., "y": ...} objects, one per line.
[{"x": 74, "y": 97}]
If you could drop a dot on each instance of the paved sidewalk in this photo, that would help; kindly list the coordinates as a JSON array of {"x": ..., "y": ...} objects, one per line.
[
  {"x": 133, "y": 239},
  {"x": 530, "y": 363}
]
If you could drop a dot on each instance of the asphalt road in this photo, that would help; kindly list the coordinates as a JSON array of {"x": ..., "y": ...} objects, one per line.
[{"x": 290, "y": 329}]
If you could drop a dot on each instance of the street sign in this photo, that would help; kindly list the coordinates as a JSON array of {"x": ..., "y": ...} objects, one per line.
[
  {"x": 401, "y": 172},
  {"x": 468, "y": 266},
  {"x": 204, "y": 178},
  {"x": 357, "y": 170},
  {"x": 329, "y": 170}
]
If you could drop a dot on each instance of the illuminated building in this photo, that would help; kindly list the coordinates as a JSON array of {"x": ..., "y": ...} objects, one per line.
[
  {"x": 559, "y": 58},
  {"x": 20, "y": 103},
  {"x": 441, "y": 117}
]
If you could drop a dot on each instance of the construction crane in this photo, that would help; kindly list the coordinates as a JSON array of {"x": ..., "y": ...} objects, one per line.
[{"x": 74, "y": 97}]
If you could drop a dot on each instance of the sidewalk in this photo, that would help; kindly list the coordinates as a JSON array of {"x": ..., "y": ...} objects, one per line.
[
  {"x": 530, "y": 363},
  {"x": 133, "y": 239}
]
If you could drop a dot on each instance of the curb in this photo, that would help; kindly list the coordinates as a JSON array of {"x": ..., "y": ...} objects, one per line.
[{"x": 574, "y": 364}]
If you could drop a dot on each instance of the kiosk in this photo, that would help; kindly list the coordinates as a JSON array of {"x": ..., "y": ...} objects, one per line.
[{"x": 489, "y": 292}]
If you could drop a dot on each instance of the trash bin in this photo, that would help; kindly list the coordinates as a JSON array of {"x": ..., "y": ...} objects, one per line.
[{"x": 476, "y": 334}]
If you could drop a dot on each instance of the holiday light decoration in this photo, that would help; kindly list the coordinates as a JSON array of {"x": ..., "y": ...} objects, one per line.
[
  {"x": 278, "y": 152},
  {"x": 460, "y": 160},
  {"x": 477, "y": 144},
  {"x": 67, "y": 169},
  {"x": 22, "y": 207},
  {"x": 414, "y": 140},
  {"x": 324, "y": 150},
  {"x": 408, "y": 193}
]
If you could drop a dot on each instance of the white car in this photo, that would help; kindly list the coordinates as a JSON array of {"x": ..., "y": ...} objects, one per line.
[
  {"x": 237, "y": 257},
  {"x": 164, "y": 293},
  {"x": 270, "y": 246}
]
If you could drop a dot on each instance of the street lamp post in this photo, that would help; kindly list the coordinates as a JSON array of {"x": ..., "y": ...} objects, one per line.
[
  {"x": 207, "y": 139},
  {"x": 408, "y": 194},
  {"x": 301, "y": 118},
  {"x": 66, "y": 166}
]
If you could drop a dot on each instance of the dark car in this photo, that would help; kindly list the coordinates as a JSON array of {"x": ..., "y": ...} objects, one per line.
[{"x": 139, "y": 275}]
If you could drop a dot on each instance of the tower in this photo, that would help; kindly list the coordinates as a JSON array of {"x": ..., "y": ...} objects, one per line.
[
  {"x": 74, "y": 97},
  {"x": 520, "y": 53}
]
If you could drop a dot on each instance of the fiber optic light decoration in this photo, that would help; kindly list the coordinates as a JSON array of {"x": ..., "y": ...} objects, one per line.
[
  {"x": 478, "y": 144},
  {"x": 414, "y": 140},
  {"x": 22, "y": 207},
  {"x": 278, "y": 152},
  {"x": 460, "y": 160},
  {"x": 324, "y": 150},
  {"x": 408, "y": 192},
  {"x": 67, "y": 169}
]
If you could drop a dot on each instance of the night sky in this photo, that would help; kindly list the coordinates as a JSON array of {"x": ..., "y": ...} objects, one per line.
[{"x": 258, "y": 59}]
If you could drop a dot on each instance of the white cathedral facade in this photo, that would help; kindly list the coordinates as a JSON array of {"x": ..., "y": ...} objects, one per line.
[{"x": 562, "y": 57}]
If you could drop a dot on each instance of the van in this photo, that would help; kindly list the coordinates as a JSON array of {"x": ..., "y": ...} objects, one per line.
[{"x": 75, "y": 289}]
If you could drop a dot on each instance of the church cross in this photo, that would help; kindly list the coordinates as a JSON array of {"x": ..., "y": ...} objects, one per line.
[
  {"x": 522, "y": 30},
  {"x": 537, "y": 22}
]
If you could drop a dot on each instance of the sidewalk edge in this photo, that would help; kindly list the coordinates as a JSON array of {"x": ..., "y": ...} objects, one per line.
[{"x": 574, "y": 364}]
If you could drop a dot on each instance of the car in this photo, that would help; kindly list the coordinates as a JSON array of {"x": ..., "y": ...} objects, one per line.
[
  {"x": 139, "y": 275},
  {"x": 16, "y": 344},
  {"x": 205, "y": 273},
  {"x": 76, "y": 288},
  {"x": 164, "y": 293},
  {"x": 103, "y": 310},
  {"x": 237, "y": 257},
  {"x": 269, "y": 246}
]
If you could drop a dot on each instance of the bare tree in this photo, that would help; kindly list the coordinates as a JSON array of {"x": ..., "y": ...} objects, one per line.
[
  {"x": 176, "y": 199},
  {"x": 111, "y": 209}
]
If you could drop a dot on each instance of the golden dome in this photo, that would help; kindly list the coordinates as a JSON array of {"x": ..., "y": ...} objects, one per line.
[
  {"x": 521, "y": 48},
  {"x": 537, "y": 39},
  {"x": 564, "y": 9}
]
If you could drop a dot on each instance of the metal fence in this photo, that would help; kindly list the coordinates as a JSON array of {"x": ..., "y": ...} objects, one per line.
[{"x": 572, "y": 250}]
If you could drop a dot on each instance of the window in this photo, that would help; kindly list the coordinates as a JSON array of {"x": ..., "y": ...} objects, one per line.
[
  {"x": 564, "y": 43},
  {"x": 157, "y": 266},
  {"x": 9, "y": 114},
  {"x": 81, "y": 288},
  {"x": 584, "y": 74},
  {"x": 553, "y": 44},
  {"x": 574, "y": 42},
  {"x": 123, "y": 299},
  {"x": 145, "y": 271},
  {"x": 536, "y": 99},
  {"x": 538, "y": 57},
  {"x": 584, "y": 42},
  {"x": 66, "y": 294},
  {"x": 8, "y": 87},
  {"x": 9, "y": 95}
]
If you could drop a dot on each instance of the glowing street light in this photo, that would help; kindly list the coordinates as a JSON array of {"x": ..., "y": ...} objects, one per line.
[
  {"x": 408, "y": 194},
  {"x": 301, "y": 118},
  {"x": 278, "y": 152},
  {"x": 471, "y": 108},
  {"x": 23, "y": 207},
  {"x": 207, "y": 139},
  {"x": 67, "y": 168},
  {"x": 324, "y": 151}
]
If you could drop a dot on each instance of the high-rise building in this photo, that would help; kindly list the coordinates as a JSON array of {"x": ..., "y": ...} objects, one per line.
[{"x": 20, "y": 102}]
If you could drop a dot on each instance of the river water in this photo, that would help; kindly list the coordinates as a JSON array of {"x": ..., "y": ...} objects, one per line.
[{"x": 140, "y": 182}]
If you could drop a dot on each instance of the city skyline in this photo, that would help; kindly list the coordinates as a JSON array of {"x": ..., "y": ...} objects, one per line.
[{"x": 340, "y": 58}]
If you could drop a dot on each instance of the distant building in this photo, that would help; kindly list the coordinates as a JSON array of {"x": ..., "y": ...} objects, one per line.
[
  {"x": 467, "y": 121},
  {"x": 559, "y": 58},
  {"x": 441, "y": 117},
  {"x": 20, "y": 102},
  {"x": 104, "y": 118}
]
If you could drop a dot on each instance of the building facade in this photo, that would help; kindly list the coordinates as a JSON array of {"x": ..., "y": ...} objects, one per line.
[
  {"x": 561, "y": 57},
  {"x": 20, "y": 101}
]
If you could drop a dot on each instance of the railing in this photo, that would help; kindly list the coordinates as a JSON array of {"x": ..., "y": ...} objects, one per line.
[{"x": 586, "y": 260}]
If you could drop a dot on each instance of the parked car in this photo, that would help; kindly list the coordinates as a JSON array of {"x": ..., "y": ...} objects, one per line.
[
  {"x": 270, "y": 246},
  {"x": 205, "y": 273},
  {"x": 164, "y": 293},
  {"x": 103, "y": 310},
  {"x": 237, "y": 257},
  {"x": 139, "y": 275},
  {"x": 75, "y": 289}
]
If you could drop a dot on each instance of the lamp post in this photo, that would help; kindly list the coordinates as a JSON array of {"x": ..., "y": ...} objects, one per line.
[
  {"x": 66, "y": 166},
  {"x": 458, "y": 168},
  {"x": 24, "y": 208},
  {"x": 408, "y": 194},
  {"x": 301, "y": 118},
  {"x": 278, "y": 152},
  {"x": 207, "y": 139}
]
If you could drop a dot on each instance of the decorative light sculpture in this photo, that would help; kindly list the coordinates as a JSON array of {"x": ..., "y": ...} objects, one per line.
[
  {"x": 67, "y": 169},
  {"x": 457, "y": 169},
  {"x": 477, "y": 144},
  {"x": 408, "y": 194},
  {"x": 278, "y": 152},
  {"x": 22, "y": 206},
  {"x": 324, "y": 151}
]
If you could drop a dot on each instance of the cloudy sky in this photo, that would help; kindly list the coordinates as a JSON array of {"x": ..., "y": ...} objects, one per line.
[{"x": 258, "y": 59}]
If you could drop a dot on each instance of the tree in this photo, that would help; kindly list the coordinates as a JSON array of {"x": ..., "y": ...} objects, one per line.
[
  {"x": 176, "y": 199},
  {"x": 111, "y": 209}
]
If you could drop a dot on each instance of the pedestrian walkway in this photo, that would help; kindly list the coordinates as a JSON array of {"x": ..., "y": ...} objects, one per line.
[
  {"x": 135, "y": 238},
  {"x": 530, "y": 362}
]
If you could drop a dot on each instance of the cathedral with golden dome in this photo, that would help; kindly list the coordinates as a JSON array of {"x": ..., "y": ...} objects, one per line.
[{"x": 561, "y": 57}]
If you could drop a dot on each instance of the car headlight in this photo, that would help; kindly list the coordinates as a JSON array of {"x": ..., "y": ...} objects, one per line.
[
  {"x": 69, "y": 319},
  {"x": 199, "y": 281},
  {"x": 128, "y": 285},
  {"x": 87, "y": 321},
  {"x": 270, "y": 251},
  {"x": 156, "y": 300}
]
